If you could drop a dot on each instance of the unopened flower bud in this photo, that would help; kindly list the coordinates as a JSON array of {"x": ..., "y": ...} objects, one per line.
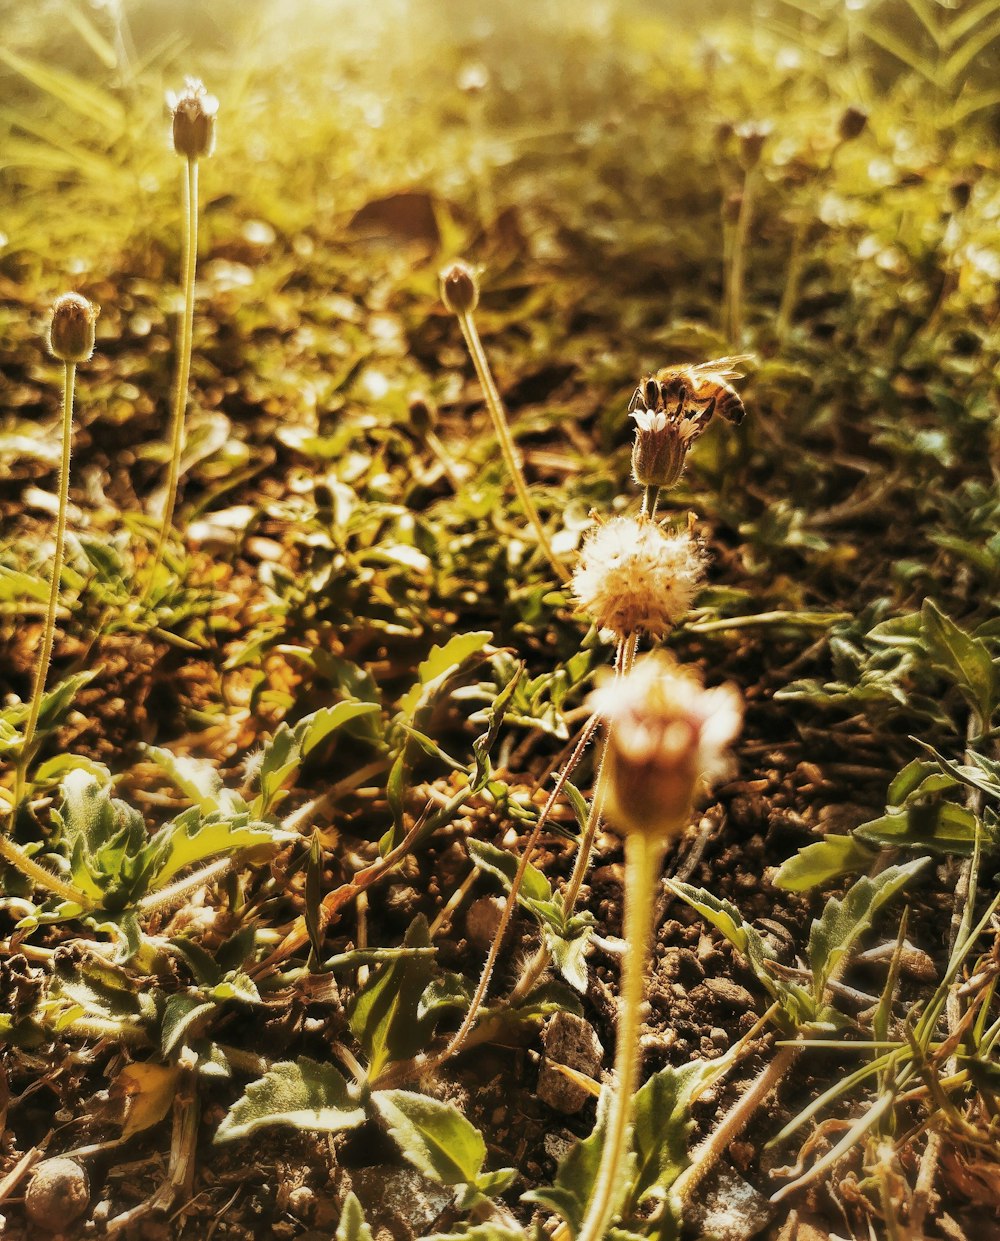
[
  {"x": 659, "y": 450},
  {"x": 194, "y": 111},
  {"x": 751, "y": 139},
  {"x": 423, "y": 415},
  {"x": 960, "y": 193},
  {"x": 633, "y": 575},
  {"x": 666, "y": 734},
  {"x": 460, "y": 289},
  {"x": 852, "y": 124},
  {"x": 72, "y": 331}
]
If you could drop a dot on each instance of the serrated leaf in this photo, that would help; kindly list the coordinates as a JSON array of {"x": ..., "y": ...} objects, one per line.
[
  {"x": 440, "y": 664},
  {"x": 433, "y": 1136},
  {"x": 815, "y": 866},
  {"x": 191, "y": 839},
  {"x": 966, "y": 659},
  {"x": 834, "y": 933},
  {"x": 300, "y": 1093},
  {"x": 290, "y": 746},
  {"x": 352, "y": 1226}
]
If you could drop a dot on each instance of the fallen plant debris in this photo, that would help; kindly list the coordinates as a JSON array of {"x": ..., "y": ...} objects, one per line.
[{"x": 513, "y": 404}]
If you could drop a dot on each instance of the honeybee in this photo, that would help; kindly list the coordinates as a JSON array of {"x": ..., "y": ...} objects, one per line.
[{"x": 690, "y": 395}]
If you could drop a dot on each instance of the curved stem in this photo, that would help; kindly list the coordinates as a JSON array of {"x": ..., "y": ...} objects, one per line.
[
  {"x": 15, "y": 856},
  {"x": 507, "y": 445},
  {"x": 45, "y": 656},
  {"x": 190, "y": 258},
  {"x": 643, "y": 855},
  {"x": 624, "y": 656}
]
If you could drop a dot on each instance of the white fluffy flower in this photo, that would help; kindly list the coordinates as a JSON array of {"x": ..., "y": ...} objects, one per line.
[
  {"x": 666, "y": 733},
  {"x": 634, "y": 575}
]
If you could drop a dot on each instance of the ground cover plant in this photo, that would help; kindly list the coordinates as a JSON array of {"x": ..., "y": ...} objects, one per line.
[{"x": 498, "y": 599}]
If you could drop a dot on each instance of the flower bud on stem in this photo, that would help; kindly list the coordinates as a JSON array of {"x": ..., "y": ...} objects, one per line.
[
  {"x": 71, "y": 339},
  {"x": 460, "y": 293}
]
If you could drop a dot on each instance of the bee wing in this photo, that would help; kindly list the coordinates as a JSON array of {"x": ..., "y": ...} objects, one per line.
[{"x": 724, "y": 368}]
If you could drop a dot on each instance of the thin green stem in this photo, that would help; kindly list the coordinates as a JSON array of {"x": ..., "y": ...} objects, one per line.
[
  {"x": 506, "y": 440},
  {"x": 643, "y": 855},
  {"x": 45, "y": 656},
  {"x": 189, "y": 262}
]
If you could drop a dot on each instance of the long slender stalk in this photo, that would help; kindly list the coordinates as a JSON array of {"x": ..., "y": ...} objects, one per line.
[
  {"x": 737, "y": 265},
  {"x": 643, "y": 855},
  {"x": 189, "y": 262},
  {"x": 45, "y": 655},
  {"x": 506, "y": 440}
]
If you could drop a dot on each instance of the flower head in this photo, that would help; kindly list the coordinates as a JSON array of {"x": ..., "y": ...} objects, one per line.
[
  {"x": 634, "y": 575},
  {"x": 666, "y": 733},
  {"x": 659, "y": 450},
  {"x": 194, "y": 111},
  {"x": 460, "y": 289},
  {"x": 72, "y": 331}
]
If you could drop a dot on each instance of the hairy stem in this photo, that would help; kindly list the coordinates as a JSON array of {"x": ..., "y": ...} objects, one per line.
[
  {"x": 189, "y": 261},
  {"x": 643, "y": 855},
  {"x": 45, "y": 655},
  {"x": 506, "y": 440}
]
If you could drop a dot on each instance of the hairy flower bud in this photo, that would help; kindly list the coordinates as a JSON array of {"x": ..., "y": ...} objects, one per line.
[
  {"x": 659, "y": 450},
  {"x": 634, "y": 575},
  {"x": 423, "y": 415},
  {"x": 666, "y": 734},
  {"x": 194, "y": 111},
  {"x": 72, "y": 331},
  {"x": 460, "y": 289}
]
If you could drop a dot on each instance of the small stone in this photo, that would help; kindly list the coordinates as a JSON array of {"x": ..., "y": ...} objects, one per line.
[
  {"x": 727, "y": 1208},
  {"x": 399, "y": 1203},
  {"x": 301, "y": 1202},
  {"x": 729, "y": 994},
  {"x": 719, "y": 1037},
  {"x": 571, "y": 1041},
  {"x": 58, "y": 1193}
]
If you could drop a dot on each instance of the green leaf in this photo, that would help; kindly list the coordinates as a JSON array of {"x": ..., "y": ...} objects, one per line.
[
  {"x": 482, "y": 1232},
  {"x": 182, "y": 1016},
  {"x": 198, "y": 780},
  {"x": 965, "y": 659},
  {"x": 576, "y": 1175},
  {"x": 661, "y": 1125},
  {"x": 569, "y": 952},
  {"x": 352, "y": 1226},
  {"x": 833, "y": 934},
  {"x": 290, "y": 746},
  {"x": 303, "y": 1094},
  {"x": 744, "y": 938},
  {"x": 385, "y": 1015},
  {"x": 817, "y": 865},
  {"x": 535, "y": 889},
  {"x": 440, "y": 664},
  {"x": 943, "y": 827},
  {"x": 191, "y": 839},
  {"x": 435, "y": 1137}
]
